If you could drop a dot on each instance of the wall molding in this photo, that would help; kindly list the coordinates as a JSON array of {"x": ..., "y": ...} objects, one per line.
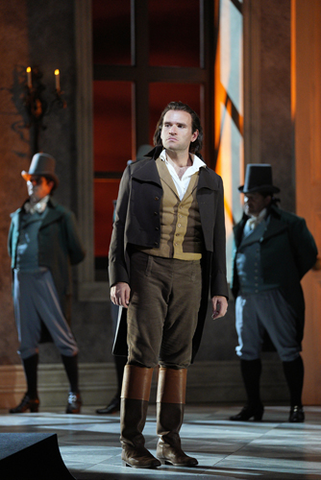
[
  {"x": 252, "y": 64},
  {"x": 208, "y": 382},
  {"x": 84, "y": 108}
]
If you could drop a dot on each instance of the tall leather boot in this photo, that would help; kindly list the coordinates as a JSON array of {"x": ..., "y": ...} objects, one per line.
[
  {"x": 133, "y": 410},
  {"x": 294, "y": 373},
  {"x": 30, "y": 400},
  {"x": 171, "y": 392},
  {"x": 251, "y": 373}
]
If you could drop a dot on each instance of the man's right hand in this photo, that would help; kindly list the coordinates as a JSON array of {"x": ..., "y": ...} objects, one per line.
[{"x": 120, "y": 294}]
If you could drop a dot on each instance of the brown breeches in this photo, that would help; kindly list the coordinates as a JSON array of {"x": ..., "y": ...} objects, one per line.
[{"x": 163, "y": 310}]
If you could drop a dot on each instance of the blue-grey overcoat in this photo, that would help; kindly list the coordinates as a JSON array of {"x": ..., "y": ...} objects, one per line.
[{"x": 288, "y": 252}]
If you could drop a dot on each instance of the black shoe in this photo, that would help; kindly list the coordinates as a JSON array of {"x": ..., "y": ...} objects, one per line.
[
  {"x": 248, "y": 412},
  {"x": 74, "y": 403},
  {"x": 112, "y": 407},
  {"x": 26, "y": 403},
  {"x": 296, "y": 414}
]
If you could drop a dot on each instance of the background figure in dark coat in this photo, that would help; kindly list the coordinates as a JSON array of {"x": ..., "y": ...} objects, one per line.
[
  {"x": 43, "y": 243},
  {"x": 167, "y": 253},
  {"x": 120, "y": 360},
  {"x": 274, "y": 250}
]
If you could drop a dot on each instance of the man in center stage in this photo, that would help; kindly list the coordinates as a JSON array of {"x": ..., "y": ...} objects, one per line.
[{"x": 167, "y": 253}]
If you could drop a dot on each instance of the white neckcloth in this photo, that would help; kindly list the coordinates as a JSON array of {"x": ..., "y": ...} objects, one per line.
[{"x": 181, "y": 184}]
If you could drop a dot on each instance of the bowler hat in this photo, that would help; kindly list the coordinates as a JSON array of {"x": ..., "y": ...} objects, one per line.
[
  {"x": 43, "y": 165},
  {"x": 258, "y": 178}
]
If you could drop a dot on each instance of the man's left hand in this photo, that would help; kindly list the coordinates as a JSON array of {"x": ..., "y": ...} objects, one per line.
[{"x": 219, "y": 305}]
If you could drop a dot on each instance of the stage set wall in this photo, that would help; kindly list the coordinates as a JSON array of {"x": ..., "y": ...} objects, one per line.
[
  {"x": 252, "y": 83},
  {"x": 306, "y": 114}
]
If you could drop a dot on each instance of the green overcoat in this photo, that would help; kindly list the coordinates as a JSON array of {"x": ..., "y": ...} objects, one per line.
[{"x": 59, "y": 247}]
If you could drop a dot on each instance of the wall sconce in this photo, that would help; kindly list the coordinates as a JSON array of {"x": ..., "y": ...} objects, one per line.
[{"x": 36, "y": 106}]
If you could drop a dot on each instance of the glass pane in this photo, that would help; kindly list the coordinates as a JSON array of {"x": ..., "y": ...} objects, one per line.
[
  {"x": 105, "y": 192},
  {"x": 111, "y": 32},
  {"x": 160, "y": 94},
  {"x": 231, "y": 52},
  {"x": 174, "y": 33},
  {"x": 112, "y": 125}
]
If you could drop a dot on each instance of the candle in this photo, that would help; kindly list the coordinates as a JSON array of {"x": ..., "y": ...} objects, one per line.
[
  {"x": 57, "y": 76},
  {"x": 29, "y": 77}
]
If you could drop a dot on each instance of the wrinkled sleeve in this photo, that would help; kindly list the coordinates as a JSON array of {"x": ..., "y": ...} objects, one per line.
[
  {"x": 75, "y": 247},
  {"x": 303, "y": 246},
  {"x": 118, "y": 271},
  {"x": 10, "y": 240},
  {"x": 218, "y": 273}
]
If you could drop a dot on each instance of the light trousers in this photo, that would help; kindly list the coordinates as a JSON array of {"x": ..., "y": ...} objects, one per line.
[
  {"x": 35, "y": 299},
  {"x": 265, "y": 310}
]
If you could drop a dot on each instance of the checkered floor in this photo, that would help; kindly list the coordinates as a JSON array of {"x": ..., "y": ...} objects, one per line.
[{"x": 268, "y": 450}]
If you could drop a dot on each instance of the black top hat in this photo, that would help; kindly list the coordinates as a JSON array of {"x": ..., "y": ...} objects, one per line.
[
  {"x": 258, "y": 178},
  {"x": 43, "y": 165}
]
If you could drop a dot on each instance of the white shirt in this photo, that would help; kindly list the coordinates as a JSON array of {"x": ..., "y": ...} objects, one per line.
[{"x": 181, "y": 184}]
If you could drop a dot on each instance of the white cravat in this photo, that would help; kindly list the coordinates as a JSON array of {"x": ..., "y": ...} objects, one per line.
[
  {"x": 253, "y": 222},
  {"x": 37, "y": 207}
]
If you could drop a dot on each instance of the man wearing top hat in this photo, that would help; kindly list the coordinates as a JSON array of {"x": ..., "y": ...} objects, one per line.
[
  {"x": 43, "y": 243},
  {"x": 274, "y": 250}
]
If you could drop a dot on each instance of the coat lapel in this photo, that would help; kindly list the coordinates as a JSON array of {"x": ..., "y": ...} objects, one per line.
[
  {"x": 274, "y": 227},
  {"x": 166, "y": 176},
  {"x": 15, "y": 219},
  {"x": 52, "y": 214},
  {"x": 254, "y": 236},
  {"x": 238, "y": 231},
  {"x": 206, "y": 180},
  {"x": 146, "y": 172}
]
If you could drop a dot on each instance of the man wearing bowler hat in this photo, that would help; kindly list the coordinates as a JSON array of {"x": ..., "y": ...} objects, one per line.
[
  {"x": 43, "y": 243},
  {"x": 274, "y": 250}
]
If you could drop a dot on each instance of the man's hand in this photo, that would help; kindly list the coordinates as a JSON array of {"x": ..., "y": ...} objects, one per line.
[
  {"x": 219, "y": 305},
  {"x": 120, "y": 294}
]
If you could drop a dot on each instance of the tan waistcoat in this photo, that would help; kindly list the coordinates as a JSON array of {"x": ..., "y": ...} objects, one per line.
[{"x": 181, "y": 231}]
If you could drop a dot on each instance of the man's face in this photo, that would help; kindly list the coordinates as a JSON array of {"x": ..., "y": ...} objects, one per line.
[
  {"x": 177, "y": 132},
  {"x": 38, "y": 187},
  {"x": 254, "y": 203}
]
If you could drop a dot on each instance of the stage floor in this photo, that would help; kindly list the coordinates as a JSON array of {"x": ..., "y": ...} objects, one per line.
[{"x": 268, "y": 450}]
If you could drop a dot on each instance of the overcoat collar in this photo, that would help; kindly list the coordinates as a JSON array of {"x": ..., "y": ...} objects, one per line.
[
  {"x": 208, "y": 180},
  {"x": 52, "y": 214},
  {"x": 146, "y": 171},
  {"x": 274, "y": 227}
]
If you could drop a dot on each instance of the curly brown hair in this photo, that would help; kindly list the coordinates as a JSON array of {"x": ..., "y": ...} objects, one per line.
[{"x": 196, "y": 146}]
